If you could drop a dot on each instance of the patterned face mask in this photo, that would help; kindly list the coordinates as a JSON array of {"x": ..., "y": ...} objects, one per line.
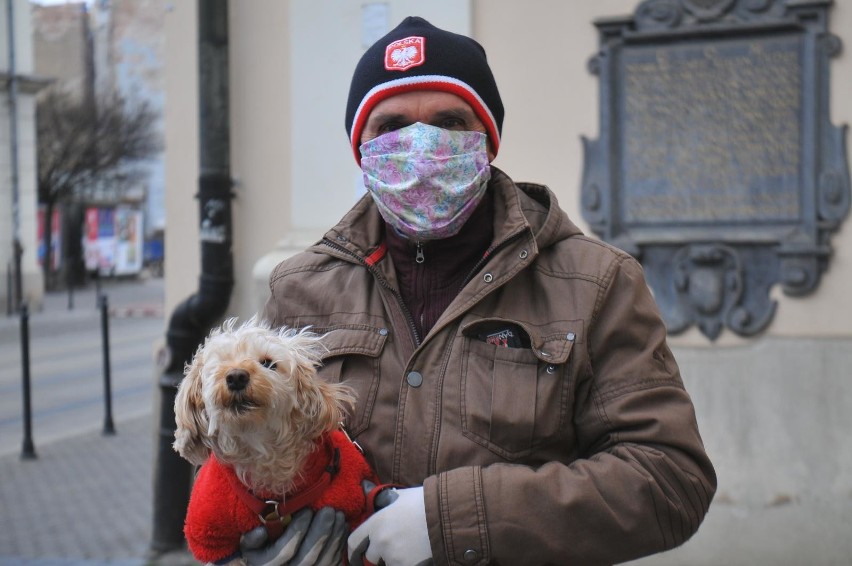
[{"x": 426, "y": 181}]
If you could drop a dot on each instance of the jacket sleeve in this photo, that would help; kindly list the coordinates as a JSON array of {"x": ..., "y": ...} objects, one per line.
[{"x": 642, "y": 483}]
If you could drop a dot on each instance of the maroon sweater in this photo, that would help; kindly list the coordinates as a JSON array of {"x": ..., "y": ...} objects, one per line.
[{"x": 427, "y": 288}]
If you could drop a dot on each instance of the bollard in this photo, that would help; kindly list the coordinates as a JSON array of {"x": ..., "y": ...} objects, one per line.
[
  {"x": 103, "y": 302},
  {"x": 28, "y": 448},
  {"x": 172, "y": 476},
  {"x": 8, "y": 289}
]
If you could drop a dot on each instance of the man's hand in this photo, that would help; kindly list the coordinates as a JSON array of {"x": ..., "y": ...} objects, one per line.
[
  {"x": 395, "y": 535},
  {"x": 309, "y": 539},
  {"x": 383, "y": 498}
]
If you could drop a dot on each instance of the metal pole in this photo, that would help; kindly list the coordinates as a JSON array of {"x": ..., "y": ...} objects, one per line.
[
  {"x": 9, "y": 310},
  {"x": 17, "y": 248},
  {"x": 69, "y": 281},
  {"x": 192, "y": 320},
  {"x": 19, "y": 282},
  {"x": 28, "y": 448},
  {"x": 109, "y": 428},
  {"x": 97, "y": 277}
]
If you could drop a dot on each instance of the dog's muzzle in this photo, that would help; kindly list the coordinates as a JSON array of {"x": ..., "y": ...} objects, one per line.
[{"x": 237, "y": 379}]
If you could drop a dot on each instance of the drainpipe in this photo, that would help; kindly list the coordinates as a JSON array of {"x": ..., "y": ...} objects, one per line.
[
  {"x": 17, "y": 247},
  {"x": 192, "y": 320}
]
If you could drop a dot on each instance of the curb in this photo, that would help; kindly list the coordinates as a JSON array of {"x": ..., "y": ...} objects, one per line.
[
  {"x": 137, "y": 312},
  {"x": 52, "y": 324}
]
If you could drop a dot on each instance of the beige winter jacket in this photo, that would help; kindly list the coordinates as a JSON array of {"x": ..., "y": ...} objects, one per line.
[{"x": 579, "y": 447}]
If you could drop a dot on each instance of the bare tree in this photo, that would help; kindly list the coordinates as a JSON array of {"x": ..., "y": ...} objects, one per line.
[{"x": 85, "y": 143}]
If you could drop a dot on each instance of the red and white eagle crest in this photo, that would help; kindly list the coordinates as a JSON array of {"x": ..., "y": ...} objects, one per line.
[{"x": 405, "y": 53}]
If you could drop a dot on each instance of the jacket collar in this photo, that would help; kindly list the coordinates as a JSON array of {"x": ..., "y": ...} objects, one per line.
[{"x": 517, "y": 208}]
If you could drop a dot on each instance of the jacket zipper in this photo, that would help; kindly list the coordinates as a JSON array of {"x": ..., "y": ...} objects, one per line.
[
  {"x": 419, "y": 257},
  {"x": 408, "y": 316},
  {"x": 433, "y": 453}
]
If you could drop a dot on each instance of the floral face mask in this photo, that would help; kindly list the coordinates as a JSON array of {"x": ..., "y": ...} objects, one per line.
[{"x": 426, "y": 181}]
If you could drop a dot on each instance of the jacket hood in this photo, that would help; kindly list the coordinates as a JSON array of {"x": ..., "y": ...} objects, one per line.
[{"x": 529, "y": 206}]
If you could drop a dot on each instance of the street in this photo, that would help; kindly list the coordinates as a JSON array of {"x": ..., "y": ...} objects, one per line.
[
  {"x": 86, "y": 498},
  {"x": 67, "y": 368}
]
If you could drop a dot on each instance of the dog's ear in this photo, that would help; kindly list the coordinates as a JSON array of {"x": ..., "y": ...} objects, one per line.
[
  {"x": 324, "y": 404},
  {"x": 190, "y": 416}
]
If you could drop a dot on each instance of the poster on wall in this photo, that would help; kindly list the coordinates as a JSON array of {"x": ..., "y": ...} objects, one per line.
[
  {"x": 106, "y": 241},
  {"x": 55, "y": 239},
  {"x": 128, "y": 244},
  {"x": 91, "y": 256},
  {"x": 112, "y": 241}
]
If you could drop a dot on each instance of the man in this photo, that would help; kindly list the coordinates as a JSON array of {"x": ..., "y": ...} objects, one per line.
[{"x": 512, "y": 372}]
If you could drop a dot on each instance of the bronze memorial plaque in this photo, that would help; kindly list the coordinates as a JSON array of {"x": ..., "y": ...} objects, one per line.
[{"x": 717, "y": 164}]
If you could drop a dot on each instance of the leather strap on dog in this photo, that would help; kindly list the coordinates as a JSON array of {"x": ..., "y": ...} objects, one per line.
[{"x": 276, "y": 515}]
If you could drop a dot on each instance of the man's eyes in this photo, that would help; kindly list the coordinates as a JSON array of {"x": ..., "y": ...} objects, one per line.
[
  {"x": 445, "y": 123},
  {"x": 390, "y": 127},
  {"x": 451, "y": 124}
]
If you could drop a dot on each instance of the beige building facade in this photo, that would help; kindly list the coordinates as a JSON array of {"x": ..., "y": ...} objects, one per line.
[
  {"x": 774, "y": 409},
  {"x": 21, "y": 225},
  {"x": 59, "y": 44}
]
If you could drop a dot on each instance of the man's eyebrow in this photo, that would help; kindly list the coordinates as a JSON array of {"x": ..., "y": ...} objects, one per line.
[
  {"x": 459, "y": 112},
  {"x": 387, "y": 117}
]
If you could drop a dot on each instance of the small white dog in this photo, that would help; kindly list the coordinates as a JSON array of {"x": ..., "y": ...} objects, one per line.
[{"x": 253, "y": 412}]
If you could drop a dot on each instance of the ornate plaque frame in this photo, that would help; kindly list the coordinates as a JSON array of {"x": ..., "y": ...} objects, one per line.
[{"x": 717, "y": 164}]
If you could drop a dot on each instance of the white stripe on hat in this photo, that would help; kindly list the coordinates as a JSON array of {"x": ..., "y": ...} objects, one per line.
[{"x": 418, "y": 80}]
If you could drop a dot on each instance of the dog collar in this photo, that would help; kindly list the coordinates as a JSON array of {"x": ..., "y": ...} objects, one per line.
[{"x": 276, "y": 515}]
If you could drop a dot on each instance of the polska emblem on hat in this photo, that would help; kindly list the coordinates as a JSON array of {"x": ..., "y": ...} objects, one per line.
[{"x": 405, "y": 53}]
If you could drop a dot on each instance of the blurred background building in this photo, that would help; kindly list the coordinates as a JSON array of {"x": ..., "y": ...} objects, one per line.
[
  {"x": 22, "y": 279},
  {"x": 87, "y": 71},
  {"x": 108, "y": 53}
]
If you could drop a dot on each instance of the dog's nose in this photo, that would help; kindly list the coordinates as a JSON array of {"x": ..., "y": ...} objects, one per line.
[{"x": 237, "y": 379}]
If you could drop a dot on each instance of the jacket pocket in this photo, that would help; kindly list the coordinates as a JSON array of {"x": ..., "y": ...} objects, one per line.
[
  {"x": 514, "y": 399},
  {"x": 353, "y": 359}
]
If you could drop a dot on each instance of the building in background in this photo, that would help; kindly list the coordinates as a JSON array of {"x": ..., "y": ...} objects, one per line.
[
  {"x": 99, "y": 50},
  {"x": 774, "y": 409},
  {"x": 18, "y": 197},
  {"x": 128, "y": 40},
  {"x": 59, "y": 39}
]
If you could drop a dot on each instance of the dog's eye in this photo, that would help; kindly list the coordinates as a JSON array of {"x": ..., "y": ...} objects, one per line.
[{"x": 268, "y": 363}]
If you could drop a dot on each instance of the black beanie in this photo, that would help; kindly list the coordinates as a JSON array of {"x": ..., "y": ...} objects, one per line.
[{"x": 418, "y": 56}]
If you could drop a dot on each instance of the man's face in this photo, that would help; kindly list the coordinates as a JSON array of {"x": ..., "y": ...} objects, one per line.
[{"x": 435, "y": 108}]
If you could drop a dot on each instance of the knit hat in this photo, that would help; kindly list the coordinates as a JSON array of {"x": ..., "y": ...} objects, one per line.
[{"x": 417, "y": 56}]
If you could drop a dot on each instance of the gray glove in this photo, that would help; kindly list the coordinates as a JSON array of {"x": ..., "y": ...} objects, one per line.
[
  {"x": 310, "y": 539},
  {"x": 383, "y": 498}
]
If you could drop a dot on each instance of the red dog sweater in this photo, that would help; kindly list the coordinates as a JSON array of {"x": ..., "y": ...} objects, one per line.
[{"x": 219, "y": 514}]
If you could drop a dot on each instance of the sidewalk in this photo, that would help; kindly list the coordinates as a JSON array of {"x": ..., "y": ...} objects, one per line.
[{"x": 85, "y": 500}]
